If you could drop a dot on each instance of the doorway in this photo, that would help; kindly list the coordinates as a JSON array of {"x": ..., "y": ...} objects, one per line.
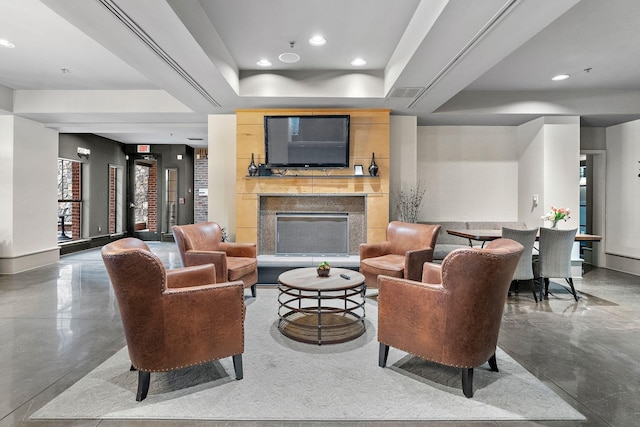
[
  {"x": 143, "y": 214},
  {"x": 592, "y": 204}
]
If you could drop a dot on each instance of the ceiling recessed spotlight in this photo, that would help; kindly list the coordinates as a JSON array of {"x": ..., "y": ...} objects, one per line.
[
  {"x": 317, "y": 41},
  {"x": 289, "y": 57},
  {"x": 560, "y": 77},
  {"x": 7, "y": 43},
  {"x": 358, "y": 62},
  {"x": 264, "y": 63}
]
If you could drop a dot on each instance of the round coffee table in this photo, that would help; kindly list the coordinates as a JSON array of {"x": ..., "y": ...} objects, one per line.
[{"x": 321, "y": 310}]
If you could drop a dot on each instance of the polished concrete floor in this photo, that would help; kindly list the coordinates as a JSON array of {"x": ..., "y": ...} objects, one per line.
[{"x": 59, "y": 322}]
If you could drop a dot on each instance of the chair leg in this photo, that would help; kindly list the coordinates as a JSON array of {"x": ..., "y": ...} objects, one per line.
[
  {"x": 253, "y": 290},
  {"x": 493, "y": 363},
  {"x": 467, "y": 382},
  {"x": 237, "y": 366},
  {"x": 573, "y": 289},
  {"x": 533, "y": 289},
  {"x": 542, "y": 280},
  {"x": 546, "y": 287},
  {"x": 143, "y": 385},
  {"x": 383, "y": 353}
]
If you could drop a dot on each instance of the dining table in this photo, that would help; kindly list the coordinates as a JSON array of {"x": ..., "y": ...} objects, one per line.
[{"x": 488, "y": 235}]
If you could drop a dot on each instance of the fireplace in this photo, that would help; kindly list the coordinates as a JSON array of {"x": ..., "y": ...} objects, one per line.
[
  {"x": 313, "y": 225},
  {"x": 312, "y": 234}
]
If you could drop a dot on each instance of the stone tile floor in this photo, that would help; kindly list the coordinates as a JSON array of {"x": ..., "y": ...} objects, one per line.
[{"x": 59, "y": 322}]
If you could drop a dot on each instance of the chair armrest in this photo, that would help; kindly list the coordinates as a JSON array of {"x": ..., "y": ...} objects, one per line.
[
  {"x": 245, "y": 250},
  {"x": 432, "y": 273},
  {"x": 218, "y": 258},
  {"x": 372, "y": 250},
  {"x": 405, "y": 306},
  {"x": 206, "y": 288},
  {"x": 211, "y": 314},
  {"x": 413, "y": 262},
  {"x": 191, "y": 276}
]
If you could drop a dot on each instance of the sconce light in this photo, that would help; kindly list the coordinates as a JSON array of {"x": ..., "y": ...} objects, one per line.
[{"x": 83, "y": 152}]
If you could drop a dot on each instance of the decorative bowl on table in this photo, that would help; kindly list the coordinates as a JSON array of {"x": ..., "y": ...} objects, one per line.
[{"x": 323, "y": 269}]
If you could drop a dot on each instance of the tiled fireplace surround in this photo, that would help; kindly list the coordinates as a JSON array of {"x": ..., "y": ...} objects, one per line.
[{"x": 270, "y": 205}]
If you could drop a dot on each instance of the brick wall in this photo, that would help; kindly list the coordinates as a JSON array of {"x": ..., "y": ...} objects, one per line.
[
  {"x": 201, "y": 203},
  {"x": 112, "y": 200},
  {"x": 76, "y": 170}
]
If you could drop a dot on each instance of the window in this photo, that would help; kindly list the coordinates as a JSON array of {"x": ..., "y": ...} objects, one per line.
[{"x": 69, "y": 199}]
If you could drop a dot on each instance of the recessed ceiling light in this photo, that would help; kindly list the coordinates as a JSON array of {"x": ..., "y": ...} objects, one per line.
[
  {"x": 560, "y": 77},
  {"x": 264, "y": 63},
  {"x": 289, "y": 57},
  {"x": 7, "y": 43},
  {"x": 358, "y": 62},
  {"x": 317, "y": 41}
]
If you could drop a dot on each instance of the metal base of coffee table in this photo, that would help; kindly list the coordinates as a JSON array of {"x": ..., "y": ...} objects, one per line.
[{"x": 321, "y": 310}]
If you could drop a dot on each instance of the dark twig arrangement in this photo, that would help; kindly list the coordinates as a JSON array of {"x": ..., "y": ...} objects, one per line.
[{"x": 408, "y": 200}]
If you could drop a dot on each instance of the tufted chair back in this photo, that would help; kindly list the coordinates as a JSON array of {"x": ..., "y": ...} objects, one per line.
[{"x": 206, "y": 236}]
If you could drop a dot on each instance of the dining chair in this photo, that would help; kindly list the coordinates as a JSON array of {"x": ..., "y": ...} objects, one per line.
[
  {"x": 554, "y": 259},
  {"x": 524, "y": 269}
]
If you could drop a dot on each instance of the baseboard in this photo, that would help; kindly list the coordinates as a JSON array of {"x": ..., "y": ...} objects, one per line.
[{"x": 29, "y": 262}]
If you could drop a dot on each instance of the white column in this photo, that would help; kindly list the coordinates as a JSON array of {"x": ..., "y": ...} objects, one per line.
[
  {"x": 28, "y": 172},
  {"x": 222, "y": 172}
]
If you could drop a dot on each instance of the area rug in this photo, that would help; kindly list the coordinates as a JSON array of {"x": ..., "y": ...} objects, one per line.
[{"x": 287, "y": 380}]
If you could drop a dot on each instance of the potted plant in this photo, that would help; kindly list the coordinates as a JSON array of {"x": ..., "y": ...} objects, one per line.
[{"x": 323, "y": 269}]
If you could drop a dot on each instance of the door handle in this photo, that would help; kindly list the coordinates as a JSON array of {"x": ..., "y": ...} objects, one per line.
[{"x": 132, "y": 205}]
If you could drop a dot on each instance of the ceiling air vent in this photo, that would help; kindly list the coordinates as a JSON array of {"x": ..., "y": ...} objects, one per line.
[{"x": 405, "y": 92}]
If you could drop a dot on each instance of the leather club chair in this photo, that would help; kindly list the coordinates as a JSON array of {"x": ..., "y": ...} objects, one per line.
[
  {"x": 173, "y": 318},
  {"x": 453, "y": 316},
  {"x": 202, "y": 244},
  {"x": 407, "y": 248}
]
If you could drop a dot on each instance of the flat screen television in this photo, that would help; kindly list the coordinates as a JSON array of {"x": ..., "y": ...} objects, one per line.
[{"x": 306, "y": 141}]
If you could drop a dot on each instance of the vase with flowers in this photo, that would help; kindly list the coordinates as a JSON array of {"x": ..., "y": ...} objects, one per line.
[{"x": 555, "y": 215}]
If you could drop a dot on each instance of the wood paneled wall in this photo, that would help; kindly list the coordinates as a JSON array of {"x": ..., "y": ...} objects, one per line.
[{"x": 369, "y": 133}]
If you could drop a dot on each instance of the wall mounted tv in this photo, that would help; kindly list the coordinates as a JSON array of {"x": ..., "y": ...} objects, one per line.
[{"x": 306, "y": 141}]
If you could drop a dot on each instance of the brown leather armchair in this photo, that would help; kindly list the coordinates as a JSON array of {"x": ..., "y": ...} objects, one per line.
[
  {"x": 173, "y": 318},
  {"x": 453, "y": 316},
  {"x": 407, "y": 248},
  {"x": 202, "y": 244}
]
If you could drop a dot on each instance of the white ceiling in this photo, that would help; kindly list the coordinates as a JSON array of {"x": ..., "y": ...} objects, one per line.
[{"x": 150, "y": 71}]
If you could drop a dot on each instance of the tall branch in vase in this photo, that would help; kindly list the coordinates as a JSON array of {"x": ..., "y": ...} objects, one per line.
[{"x": 408, "y": 200}]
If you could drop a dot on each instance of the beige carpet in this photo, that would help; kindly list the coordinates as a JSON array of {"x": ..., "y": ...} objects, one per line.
[{"x": 287, "y": 380}]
